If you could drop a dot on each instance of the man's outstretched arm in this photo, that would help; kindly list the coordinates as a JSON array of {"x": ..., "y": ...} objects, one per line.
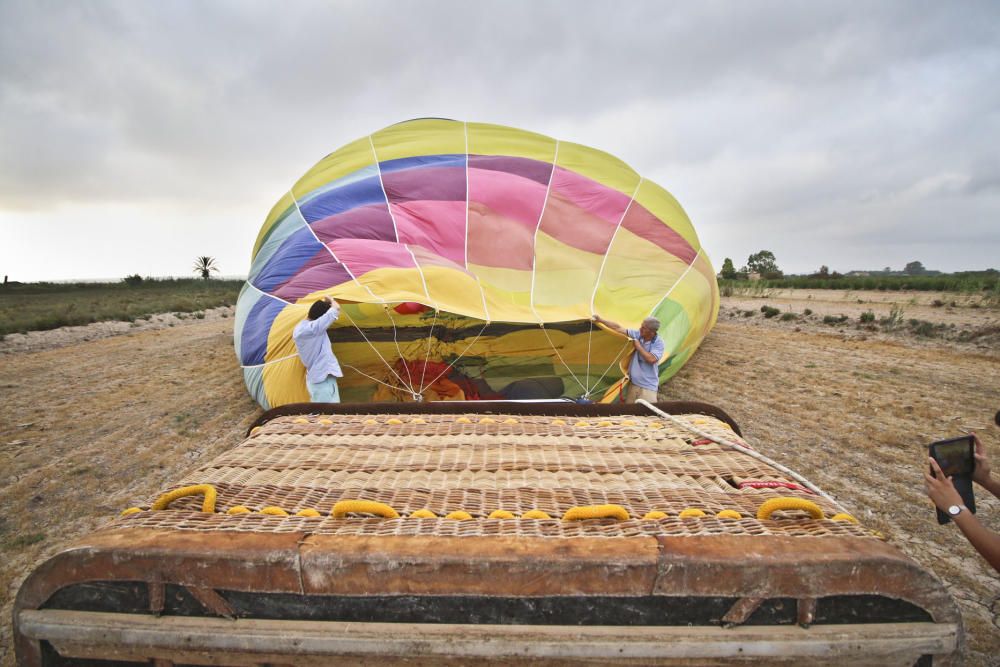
[{"x": 613, "y": 326}]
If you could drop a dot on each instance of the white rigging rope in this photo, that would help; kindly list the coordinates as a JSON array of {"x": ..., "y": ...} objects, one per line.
[
  {"x": 563, "y": 361},
  {"x": 749, "y": 452},
  {"x": 455, "y": 360}
]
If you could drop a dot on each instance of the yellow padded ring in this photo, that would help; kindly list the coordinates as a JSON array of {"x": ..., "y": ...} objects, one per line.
[
  {"x": 423, "y": 514},
  {"x": 535, "y": 514},
  {"x": 596, "y": 512},
  {"x": 785, "y": 503},
  {"x": 300, "y": 420},
  {"x": 308, "y": 512},
  {"x": 458, "y": 515},
  {"x": 510, "y": 420},
  {"x": 345, "y": 507},
  {"x": 501, "y": 514},
  {"x": 239, "y": 509},
  {"x": 487, "y": 420},
  {"x": 131, "y": 510},
  {"x": 463, "y": 420},
  {"x": 394, "y": 421},
  {"x": 843, "y": 517},
  {"x": 274, "y": 511},
  {"x": 655, "y": 514},
  {"x": 207, "y": 505},
  {"x": 729, "y": 514},
  {"x": 691, "y": 513}
]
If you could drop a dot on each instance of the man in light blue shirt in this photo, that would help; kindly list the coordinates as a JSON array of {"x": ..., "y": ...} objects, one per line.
[
  {"x": 643, "y": 369},
  {"x": 313, "y": 344}
]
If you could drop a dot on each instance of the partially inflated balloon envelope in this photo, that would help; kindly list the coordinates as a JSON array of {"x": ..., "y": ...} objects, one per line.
[{"x": 469, "y": 260}]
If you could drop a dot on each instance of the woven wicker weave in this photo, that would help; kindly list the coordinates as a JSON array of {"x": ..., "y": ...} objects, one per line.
[{"x": 479, "y": 464}]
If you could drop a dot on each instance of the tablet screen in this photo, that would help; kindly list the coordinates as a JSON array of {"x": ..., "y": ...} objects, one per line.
[{"x": 954, "y": 457}]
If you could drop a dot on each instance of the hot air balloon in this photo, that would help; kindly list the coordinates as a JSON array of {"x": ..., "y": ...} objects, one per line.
[{"x": 469, "y": 260}]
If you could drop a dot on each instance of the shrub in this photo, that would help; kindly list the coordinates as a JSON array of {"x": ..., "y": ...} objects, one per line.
[
  {"x": 867, "y": 316},
  {"x": 937, "y": 303},
  {"x": 786, "y": 317},
  {"x": 133, "y": 280},
  {"x": 834, "y": 319},
  {"x": 807, "y": 312},
  {"x": 769, "y": 311}
]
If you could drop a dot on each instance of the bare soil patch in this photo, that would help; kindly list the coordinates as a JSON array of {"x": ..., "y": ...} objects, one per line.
[{"x": 94, "y": 426}]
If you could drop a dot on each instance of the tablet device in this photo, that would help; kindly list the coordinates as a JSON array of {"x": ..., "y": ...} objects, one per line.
[{"x": 956, "y": 459}]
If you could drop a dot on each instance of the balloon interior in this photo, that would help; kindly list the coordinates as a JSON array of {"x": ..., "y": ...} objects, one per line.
[{"x": 469, "y": 260}]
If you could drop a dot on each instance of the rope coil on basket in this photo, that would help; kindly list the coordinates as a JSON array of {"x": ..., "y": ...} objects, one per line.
[
  {"x": 207, "y": 505},
  {"x": 345, "y": 507},
  {"x": 785, "y": 503},
  {"x": 582, "y": 512}
]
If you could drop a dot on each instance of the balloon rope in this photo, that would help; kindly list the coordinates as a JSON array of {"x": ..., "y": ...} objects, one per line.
[
  {"x": 556, "y": 350},
  {"x": 375, "y": 350},
  {"x": 427, "y": 356},
  {"x": 395, "y": 340},
  {"x": 733, "y": 444},
  {"x": 272, "y": 361},
  {"x": 590, "y": 334},
  {"x": 448, "y": 368},
  {"x": 613, "y": 362},
  {"x": 359, "y": 372}
]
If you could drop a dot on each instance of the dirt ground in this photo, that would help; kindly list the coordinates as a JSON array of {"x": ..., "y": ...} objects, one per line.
[{"x": 89, "y": 427}]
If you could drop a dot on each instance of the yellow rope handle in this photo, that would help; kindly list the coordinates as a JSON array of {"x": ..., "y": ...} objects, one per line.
[
  {"x": 308, "y": 512},
  {"x": 843, "y": 517},
  {"x": 729, "y": 514},
  {"x": 239, "y": 509},
  {"x": 535, "y": 514},
  {"x": 345, "y": 507},
  {"x": 131, "y": 510},
  {"x": 691, "y": 513},
  {"x": 458, "y": 515},
  {"x": 785, "y": 503},
  {"x": 501, "y": 514},
  {"x": 655, "y": 514},
  {"x": 596, "y": 512},
  {"x": 423, "y": 514},
  {"x": 207, "y": 505},
  {"x": 273, "y": 511}
]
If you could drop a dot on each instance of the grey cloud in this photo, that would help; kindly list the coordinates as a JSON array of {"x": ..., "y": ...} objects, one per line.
[{"x": 765, "y": 116}]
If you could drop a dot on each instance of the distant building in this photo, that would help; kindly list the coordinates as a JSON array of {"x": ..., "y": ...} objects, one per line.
[{"x": 753, "y": 276}]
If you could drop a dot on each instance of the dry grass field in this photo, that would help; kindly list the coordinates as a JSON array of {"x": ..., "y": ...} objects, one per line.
[{"x": 89, "y": 427}]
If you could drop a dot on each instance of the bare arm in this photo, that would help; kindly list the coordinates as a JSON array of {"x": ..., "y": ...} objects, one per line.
[
  {"x": 613, "y": 326},
  {"x": 982, "y": 474},
  {"x": 943, "y": 493}
]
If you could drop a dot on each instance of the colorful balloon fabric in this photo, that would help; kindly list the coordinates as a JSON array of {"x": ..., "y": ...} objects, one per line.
[{"x": 469, "y": 260}]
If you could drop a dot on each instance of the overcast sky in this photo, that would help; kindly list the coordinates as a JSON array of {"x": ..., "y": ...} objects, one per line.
[{"x": 137, "y": 135}]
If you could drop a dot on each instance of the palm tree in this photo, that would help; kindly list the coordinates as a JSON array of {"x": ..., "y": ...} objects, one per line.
[{"x": 204, "y": 265}]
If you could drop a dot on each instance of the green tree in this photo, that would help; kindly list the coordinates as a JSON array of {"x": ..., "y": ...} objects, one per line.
[
  {"x": 205, "y": 265},
  {"x": 728, "y": 270},
  {"x": 763, "y": 262},
  {"x": 914, "y": 269}
]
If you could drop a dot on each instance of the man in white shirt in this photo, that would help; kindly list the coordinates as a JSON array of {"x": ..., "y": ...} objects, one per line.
[{"x": 313, "y": 344}]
